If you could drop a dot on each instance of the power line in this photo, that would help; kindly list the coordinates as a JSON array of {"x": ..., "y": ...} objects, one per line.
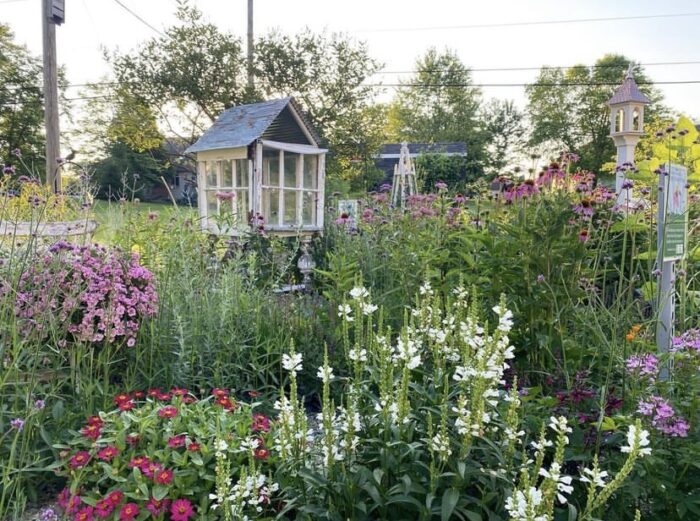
[
  {"x": 521, "y": 24},
  {"x": 534, "y": 84},
  {"x": 138, "y": 17},
  {"x": 543, "y": 67}
]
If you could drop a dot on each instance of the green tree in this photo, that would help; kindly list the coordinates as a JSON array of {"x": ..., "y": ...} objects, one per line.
[
  {"x": 569, "y": 107},
  {"x": 21, "y": 107},
  {"x": 440, "y": 104},
  {"x": 194, "y": 71},
  {"x": 504, "y": 124},
  {"x": 327, "y": 74}
]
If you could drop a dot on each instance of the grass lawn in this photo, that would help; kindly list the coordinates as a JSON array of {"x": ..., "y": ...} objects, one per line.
[{"x": 110, "y": 215}]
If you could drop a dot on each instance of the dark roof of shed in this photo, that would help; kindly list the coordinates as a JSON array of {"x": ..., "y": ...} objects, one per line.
[
  {"x": 242, "y": 125},
  {"x": 457, "y": 148},
  {"x": 628, "y": 91}
]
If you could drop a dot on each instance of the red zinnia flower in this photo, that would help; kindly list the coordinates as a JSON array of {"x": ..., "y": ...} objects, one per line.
[
  {"x": 179, "y": 392},
  {"x": 80, "y": 459},
  {"x": 108, "y": 453},
  {"x": 153, "y": 393},
  {"x": 104, "y": 508},
  {"x": 194, "y": 447},
  {"x": 164, "y": 397},
  {"x": 168, "y": 412},
  {"x": 73, "y": 504},
  {"x": 219, "y": 393},
  {"x": 138, "y": 461},
  {"x": 254, "y": 394},
  {"x": 128, "y": 512},
  {"x": 63, "y": 498},
  {"x": 138, "y": 395},
  {"x": 181, "y": 510},
  {"x": 121, "y": 398},
  {"x": 261, "y": 453},
  {"x": 260, "y": 423},
  {"x": 151, "y": 468},
  {"x": 95, "y": 420},
  {"x": 164, "y": 477},
  {"x": 177, "y": 441},
  {"x": 126, "y": 406},
  {"x": 84, "y": 514},
  {"x": 188, "y": 399},
  {"x": 133, "y": 439},
  {"x": 227, "y": 403},
  {"x": 156, "y": 507},
  {"x": 91, "y": 431},
  {"x": 115, "y": 497}
]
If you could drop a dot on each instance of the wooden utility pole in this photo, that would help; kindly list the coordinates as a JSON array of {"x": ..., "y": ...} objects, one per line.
[
  {"x": 51, "y": 15},
  {"x": 251, "y": 83}
]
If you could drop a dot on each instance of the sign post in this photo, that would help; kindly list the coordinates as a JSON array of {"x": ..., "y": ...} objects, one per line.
[{"x": 672, "y": 231}]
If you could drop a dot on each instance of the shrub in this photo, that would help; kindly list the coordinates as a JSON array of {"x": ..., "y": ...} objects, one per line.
[{"x": 96, "y": 295}]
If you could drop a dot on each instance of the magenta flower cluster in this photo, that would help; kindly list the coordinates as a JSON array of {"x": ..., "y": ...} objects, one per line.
[
  {"x": 663, "y": 417},
  {"x": 100, "y": 294},
  {"x": 643, "y": 365},
  {"x": 688, "y": 342}
]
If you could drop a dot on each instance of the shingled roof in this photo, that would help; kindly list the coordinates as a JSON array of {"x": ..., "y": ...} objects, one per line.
[
  {"x": 240, "y": 126},
  {"x": 628, "y": 91}
]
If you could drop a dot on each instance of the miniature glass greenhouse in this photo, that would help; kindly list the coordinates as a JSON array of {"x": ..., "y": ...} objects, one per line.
[{"x": 261, "y": 165}]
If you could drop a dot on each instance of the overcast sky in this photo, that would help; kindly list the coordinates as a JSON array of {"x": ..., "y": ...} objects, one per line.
[{"x": 91, "y": 24}]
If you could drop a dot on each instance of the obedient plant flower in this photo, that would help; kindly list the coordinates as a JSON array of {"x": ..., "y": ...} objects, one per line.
[
  {"x": 292, "y": 363},
  {"x": 345, "y": 312}
]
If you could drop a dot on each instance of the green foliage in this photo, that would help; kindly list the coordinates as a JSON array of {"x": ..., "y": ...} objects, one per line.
[
  {"x": 440, "y": 104},
  {"x": 21, "y": 107},
  {"x": 452, "y": 170}
]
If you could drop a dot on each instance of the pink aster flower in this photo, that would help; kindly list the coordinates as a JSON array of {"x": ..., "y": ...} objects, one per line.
[
  {"x": 177, "y": 441},
  {"x": 85, "y": 514},
  {"x": 643, "y": 365},
  {"x": 181, "y": 510},
  {"x": 260, "y": 423},
  {"x": 108, "y": 453},
  {"x": 164, "y": 477},
  {"x": 151, "y": 468},
  {"x": 156, "y": 507},
  {"x": 128, "y": 512},
  {"x": 104, "y": 508},
  {"x": 115, "y": 497},
  {"x": 168, "y": 412},
  {"x": 79, "y": 459}
]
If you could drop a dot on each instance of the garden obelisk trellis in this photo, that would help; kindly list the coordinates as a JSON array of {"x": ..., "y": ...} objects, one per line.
[{"x": 404, "y": 184}]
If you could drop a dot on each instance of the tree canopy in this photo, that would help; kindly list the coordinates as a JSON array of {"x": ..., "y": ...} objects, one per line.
[{"x": 21, "y": 106}]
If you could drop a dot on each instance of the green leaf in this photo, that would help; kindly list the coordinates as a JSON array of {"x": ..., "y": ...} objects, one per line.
[
  {"x": 449, "y": 501},
  {"x": 159, "y": 492},
  {"x": 573, "y": 513},
  {"x": 608, "y": 424}
]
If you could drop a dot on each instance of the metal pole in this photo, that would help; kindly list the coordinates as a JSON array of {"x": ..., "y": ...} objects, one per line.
[
  {"x": 251, "y": 83},
  {"x": 666, "y": 292},
  {"x": 53, "y": 175}
]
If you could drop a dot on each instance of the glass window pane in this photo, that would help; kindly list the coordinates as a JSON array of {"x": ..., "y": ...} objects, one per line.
[
  {"x": 290, "y": 169},
  {"x": 271, "y": 204},
  {"x": 310, "y": 171},
  {"x": 309, "y": 209},
  {"x": 226, "y": 174},
  {"x": 212, "y": 203},
  {"x": 242, "y": 168},
  {"x": 271, "y": 167},
  {"x": 211, "y": 174},
  {"x": 290, "y": 208},
  {"x": 242, "y": 207}
]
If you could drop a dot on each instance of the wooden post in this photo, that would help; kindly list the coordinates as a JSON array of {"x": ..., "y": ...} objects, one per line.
[
  {"x": 53, "y": 174},
  {"x": 251, "y": 82}
]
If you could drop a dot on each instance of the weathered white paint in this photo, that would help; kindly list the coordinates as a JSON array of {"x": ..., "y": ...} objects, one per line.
[{"x": 293, "y": 147}]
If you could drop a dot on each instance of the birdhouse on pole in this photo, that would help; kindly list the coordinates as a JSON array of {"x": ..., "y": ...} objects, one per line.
[{"x": 626, "y": 124}]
